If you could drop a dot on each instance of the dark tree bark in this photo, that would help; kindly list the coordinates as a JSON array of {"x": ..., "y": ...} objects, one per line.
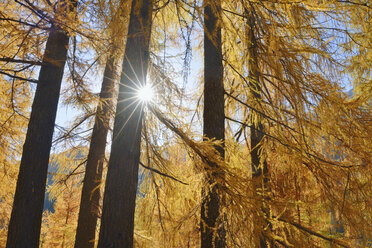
[
  {"x": 117, "y": 225},
  {"x": 25, "y": 221},
  {"x": 90, "y": 197},
  {"x": 212, "y": 229},
  {"x": 258, "y": 162}
]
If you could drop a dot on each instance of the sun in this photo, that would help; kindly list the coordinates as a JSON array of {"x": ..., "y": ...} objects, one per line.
[{"x": 146, "y": 93}]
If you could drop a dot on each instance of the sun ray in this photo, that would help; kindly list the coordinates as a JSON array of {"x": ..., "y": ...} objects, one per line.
[
  {"x": 129, "y": 117},
  {"x": 129, "y": 105}
]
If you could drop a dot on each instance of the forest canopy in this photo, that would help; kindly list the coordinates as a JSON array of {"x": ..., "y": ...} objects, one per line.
[{"x": 185, "y": 123}]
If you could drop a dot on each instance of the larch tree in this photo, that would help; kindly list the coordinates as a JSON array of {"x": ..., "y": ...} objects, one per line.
[
  {"x": 258, "y": 161},
  {"x": 25, "y": 222},
  {"x": 16, "y": 69},
  {"x": 117, "y": 223},
  {"x": 15, "y": 95},
  {"x": 299, "y": 72},
  {"x": 90, "y": 197},
  {"x": 211, "y": 223}
]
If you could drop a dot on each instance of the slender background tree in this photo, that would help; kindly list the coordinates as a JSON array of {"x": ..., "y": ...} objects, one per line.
[
  {"x": 258, "y": 160},
  {"x": 91, "y": 193},
  {"x": 211, "y": 225}
]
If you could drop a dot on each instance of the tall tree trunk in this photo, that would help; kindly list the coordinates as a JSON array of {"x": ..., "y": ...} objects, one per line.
[
  {"x": 90, "y": 196},
  {"x": 212, "y": 229},
  {"x": 25, "y": 221},
  {"x": 117, "y": 224},
  {"x": 258, "y": 162}
]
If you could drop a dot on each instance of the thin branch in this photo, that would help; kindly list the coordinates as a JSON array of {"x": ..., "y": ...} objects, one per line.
[
  {"x": 292, "y": 147},
  {"x": 260, "y": 112},
  {"x": 69, "y": 133},
  {"x": 161, "y": 173},
  {"x": 314, "y": 233},
  {"x": 180, "y": 133},
  {"x": 12, "y": 60},
  {"x": 34, "y": 9},
  {"x": 20, "y": 78},
  {"x": 23, "y": 23},
  {"x": 72, "y": 173},
  {"x": 161, "y": 7}
]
